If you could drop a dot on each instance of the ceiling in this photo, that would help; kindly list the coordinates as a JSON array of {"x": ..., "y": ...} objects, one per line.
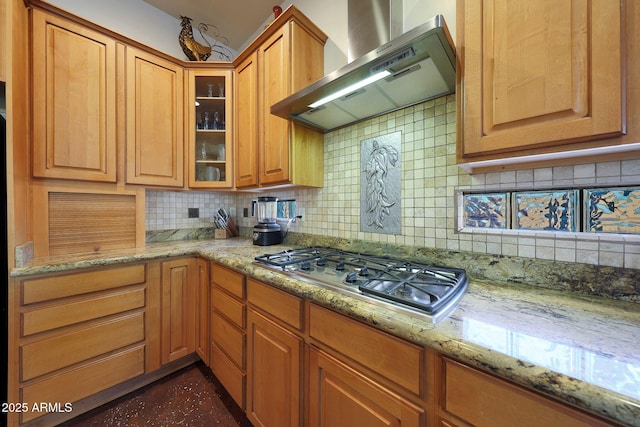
[{"x": 237, "y": 20}]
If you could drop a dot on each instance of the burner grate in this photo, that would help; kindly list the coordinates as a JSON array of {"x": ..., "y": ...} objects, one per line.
[{"x": 421, "y": 286}]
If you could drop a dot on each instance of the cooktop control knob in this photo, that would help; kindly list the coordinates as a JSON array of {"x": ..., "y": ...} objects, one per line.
[{"x": 351, "y": 277}]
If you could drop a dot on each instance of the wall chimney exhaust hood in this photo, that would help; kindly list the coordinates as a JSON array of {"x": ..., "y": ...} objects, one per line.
[{"x": 417, "y": 66}]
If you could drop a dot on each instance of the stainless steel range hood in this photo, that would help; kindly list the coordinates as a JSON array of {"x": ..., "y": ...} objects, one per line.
[{"x": 417, "y": 66}]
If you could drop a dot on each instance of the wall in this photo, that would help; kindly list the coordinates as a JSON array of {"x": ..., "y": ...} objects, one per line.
[
  {"x": 331, "y": 17},
  {"x": 430, "y": 176},
  {"x": 148, "y": 25},
  {"x": 430, "y": 180},
  {"x": 168, "y": 210},
  {"x": 132, "y": 18}
]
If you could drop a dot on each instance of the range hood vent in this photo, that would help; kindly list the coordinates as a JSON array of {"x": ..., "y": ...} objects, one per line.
[{"x": 417, "y": 66}]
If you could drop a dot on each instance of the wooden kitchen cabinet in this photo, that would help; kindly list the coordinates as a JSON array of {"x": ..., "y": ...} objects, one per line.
[
  {"x": 274, "y": 357},
  {"x": 228, "y": 336},
  {"x": 286, "y": 57},
  {"x": 396, "y": 362},
  {"x": 178, "y": 330},
  {"x": 209, "y": 128},
  {"x": 77, "y": 115},
  {"x": 80, "y": 333},
  {"x": 155, "y": 109},
  {"x": 340, "y": 396},
  {"x": 202, "y": 309},
  {"x": 245, "y": 97},
  {"x": 539, "y": 77},
  {"x": 74, "y": 100},
  {"x": 468, "y": 397},
  {"x": 358, "y": 375}
]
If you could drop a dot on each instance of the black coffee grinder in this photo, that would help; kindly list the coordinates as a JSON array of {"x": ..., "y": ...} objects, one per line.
[{"x": 267, "y": 232}]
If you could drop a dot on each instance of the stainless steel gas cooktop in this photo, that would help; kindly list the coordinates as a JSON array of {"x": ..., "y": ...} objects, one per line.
[{"x": 422, "y": 288}]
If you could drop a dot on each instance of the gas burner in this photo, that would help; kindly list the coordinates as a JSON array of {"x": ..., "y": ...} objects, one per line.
[
  {"x": 404, "y": 291},
  {"x": 419, "y": 287}
]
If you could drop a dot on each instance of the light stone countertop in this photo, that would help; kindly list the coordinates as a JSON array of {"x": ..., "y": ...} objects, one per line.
[{"x": 582, "y": 350}]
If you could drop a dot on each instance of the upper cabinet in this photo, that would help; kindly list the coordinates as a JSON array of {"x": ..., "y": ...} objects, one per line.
[
  {"x": 155, "y": 108},
  {"x": 286, "y": 57},
  {"x": 108, "y": 109},
  {"x": 245, "y": 97},
  {"x": 209, "y": 128},
  {"x": 539, "y": 77},
  {"x": 92, "y": 96},
  {"x": 74, "y": 101}
]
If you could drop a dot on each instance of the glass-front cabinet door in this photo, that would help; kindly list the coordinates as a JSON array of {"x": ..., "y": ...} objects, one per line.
[{"x": 209, "y": 129}]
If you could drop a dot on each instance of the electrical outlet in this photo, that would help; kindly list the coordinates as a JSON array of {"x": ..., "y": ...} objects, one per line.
[
  {"x": 194, "y": 212},
  {"x": 245, "y": 212}
]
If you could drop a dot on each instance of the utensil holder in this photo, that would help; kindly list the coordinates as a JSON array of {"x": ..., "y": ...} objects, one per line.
[{"x": 221, "y": 233}]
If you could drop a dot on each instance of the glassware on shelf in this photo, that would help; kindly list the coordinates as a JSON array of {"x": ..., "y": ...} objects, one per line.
[
  {"x": 203, "y": 150},
  {"x": 221, "y": 152},
  {"x": 199, "y": 121},
  {"x": 221, "y": 90},
  {"x": 206, "y": 124},
  {"x": 210, "y": 90},
  {"x": 216, "y": 121},
  {"x": 212, "y": 173}
]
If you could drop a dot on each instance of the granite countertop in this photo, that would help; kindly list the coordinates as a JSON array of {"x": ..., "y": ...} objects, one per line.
[{"x": 582, "y": 350}]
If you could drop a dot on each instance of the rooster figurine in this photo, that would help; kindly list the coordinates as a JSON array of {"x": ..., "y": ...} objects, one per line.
[{"x": 194, "y": 50}]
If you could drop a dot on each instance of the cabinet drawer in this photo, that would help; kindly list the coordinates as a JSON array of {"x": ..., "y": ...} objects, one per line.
[
  {"x": 277, "y": 303},
  {"x": 85, "y": 380},
  {"x": 391, "y": 357},
  {"x": 52, "y": 317},
  {"x": 228, "y": 306},
  {"x": 228, "y": 338},
  {"x": 484, "y": 400},
  {"x": 229, "y": 375},
  {"x": 64, "y": 350},
  {"x": 52, "y": 287},
  {"x": 227, "y": 279}
]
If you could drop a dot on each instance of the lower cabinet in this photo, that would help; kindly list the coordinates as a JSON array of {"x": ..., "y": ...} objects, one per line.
[
  {"x": 227, "y": 355},
  {"x": 361, "y": 376},
  {"x": 202, "y": 309},
  {"x": 82, "y": 336},
  {"x": 274, "y": 358},
  {"x": 274, "y": 373},
  {"x": 178, "y": 331},
  {"x": 78, "y": 338},
  {"x": 470, "y": 397},
  {"x": 79, "y": 334},
  {"x": 340, "y": 396}
]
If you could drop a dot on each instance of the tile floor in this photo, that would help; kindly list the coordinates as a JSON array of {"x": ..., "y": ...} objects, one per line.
[{"x": 191, "y": 397}]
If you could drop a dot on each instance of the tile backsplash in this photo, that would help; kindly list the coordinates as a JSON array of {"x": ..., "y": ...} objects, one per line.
[
  {"x": 430, "y": 181},
  {"x": 169, "y": 210}
]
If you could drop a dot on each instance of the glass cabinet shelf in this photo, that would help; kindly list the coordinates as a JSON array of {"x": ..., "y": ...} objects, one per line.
[{"x": 210, "y": 140}]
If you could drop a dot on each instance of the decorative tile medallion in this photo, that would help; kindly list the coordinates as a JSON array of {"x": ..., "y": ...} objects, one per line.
[
  {"x": 546, "y": 210},
  {"x": 286, "y": 209},
  {"x": 381, "y": 184},
  {"x": 612, "y": 210},
  {"x": 490, "y": 210}
]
